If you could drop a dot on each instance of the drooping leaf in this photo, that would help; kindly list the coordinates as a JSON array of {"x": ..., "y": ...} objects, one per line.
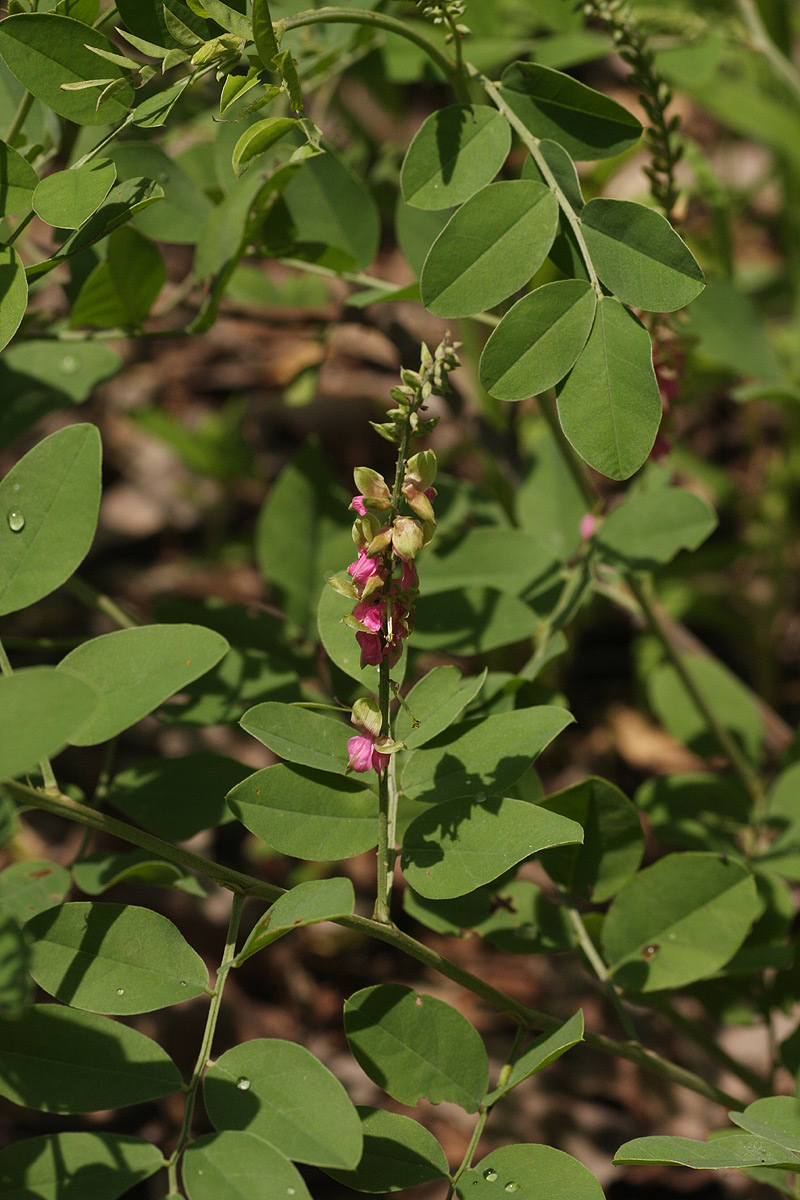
[
  {"x": 46, "y": 51},
  {"x": 737, "y": 1150},
  {"x": 458, "y": 845},
  {"x": 612, "y": 843},
  {"x": 609, "y": 404},
  {"x": 307, "y": 813},
  {"x": 489, "y": 248},
  {"x": 679, "y": 920},
  {"x": 299, "y": 735},
  {"x": 49, "y": 501},
  {"x": 649, "y": 528},
  {"x": 523, "y": 921},
  {"x": 177, "y": 797},
  {"x": 15, "y": 981},
  {"x": 122, "y": 289},
  {"x": 435, "y": 702},
  {"x": 113, "y": 958},
  {"x": 40, "y": 710},
  {"x": 28, "y": 888},
  {"x": 281, "y": 1093},
  {"x": 415, "y": 1045},
  {"x": 263, "y": 33},
  {"x": 66, "y": 199},
  {"x": 542, "y": 1051},
  {"x": 398, "y": 1153},
  {"x": 61, "y": 1061},
  {"x": 482, "y": 757},
  {"x": 17, "y": 181},
  {"x": 457, "y": 151},
  {"x": 555, "y": 106},
  {"x": 305, "y": 904},
  {"x": 539, "y": 1172},
  {"x": 230, "y": 1165},
  {"x": 13, "y": 292},
  {"x": 134, "y": 670},
  {"x": 538, "y": 340},
  {"x": 57, "y": 1165}
]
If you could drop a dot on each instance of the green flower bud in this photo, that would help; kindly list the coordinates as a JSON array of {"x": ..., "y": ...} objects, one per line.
[
  {"x": 407, "y": 537},
  {"x": 419, "y": 502},
  {"x": 372, "y": 488},
  {"x": 380, "y": 542},
  {"x": 421, "y": 470},
  {"x": 343, "y": 586},
  {"x": 367, "y": 714}
]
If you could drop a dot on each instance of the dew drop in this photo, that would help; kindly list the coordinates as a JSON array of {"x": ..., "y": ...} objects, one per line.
[
  {"x": 290, "y": 1191},
  {"x": 490, "y": 1174},
  {"x": 69, "y": 365},
  {"x": 16, "y": 521},
  {"x": 480, "y": 798},
  {"x": 120, "y": 991},
  {"x": 184, "y": 983},
  {"x": 511, "y": 1187},
  {"x": 15, "y": 487},
  {"x": 243, "y": 1083}
]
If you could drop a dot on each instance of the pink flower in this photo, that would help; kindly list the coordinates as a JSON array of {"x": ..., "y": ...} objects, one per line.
[
  {"x": 359, "y": 505},
  {"x": 363, "y": 568},
  {"x": 371, "y": 612},
  {"x": 363, "y": 755},
  {"x": 371, "y": 648},
  {"x": 409, "y": 578},
  {"x": 587, "y": 526}
]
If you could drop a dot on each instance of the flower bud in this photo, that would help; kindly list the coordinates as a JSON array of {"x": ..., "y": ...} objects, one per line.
[
  {"x": 343, "y": 586},
  {"x": 372, "y": 487},
  {"x": 407, "y": 537},
  {"x": 364, "y": 530},
  {"x": 381, "y": 541},
  {"x": 419, "y": 502},
  {"x": 367, "y": 714},
  {"x": 421, "y": 470}
]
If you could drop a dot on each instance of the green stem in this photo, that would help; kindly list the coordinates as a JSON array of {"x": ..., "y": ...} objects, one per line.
[
  {"x": 381, "y": 912},
  {"x": 203, "y": 1057},
  {"x": 532, "y": 143},
  {"x": 19, "y": 118},
  {"x": 763, "y": 43},
  {"x": 377, "y": 20},
  {"x": 90, "y": 596},
  {"x": 391, "y": 836},
  {"x": 601, "y": 970},
  {"x": 237, "y": 881}
]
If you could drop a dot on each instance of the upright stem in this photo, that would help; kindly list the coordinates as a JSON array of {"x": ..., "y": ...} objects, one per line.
[
  {"x": 381, "y": 912},
  {"x": 601, "y": 970},
  {"x": 19, "y": 118},
  {"x": 90, "y": 596},
  {"x": 204, "y": 1056},
  {"x": 764, "y": 44}
]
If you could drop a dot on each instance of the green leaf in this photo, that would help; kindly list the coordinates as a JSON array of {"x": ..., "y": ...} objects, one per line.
[
  {"x": 733, "y": 705},
  {"x": 435, "y": 702},
  {"x": 458, "y": 845},
  {"x": 483, "y": 756},
  {"x": 306, "y": 904},
  {"x": 259, "y": 138},
  {"x": 123, "y": 289},
  {"x": 15, "y": 981},
  {"x": 414, "y": 1045},
  {"x": 104, "y": 869},
  {"x": 228, "y": 18},
  {"x": 113, "y": 958},
  {"x": 489, "y": 248},
  {"x": 539, "y": 1173},
  {"x": 46, "y": 51},
  {"x": 300, "y": 736},
  {"x": 17, "y": 181},
  {"x": 40, "y": 711},
  {"x": 398, "y": 1153},
  {"x": 457, "y": 151},
  {"x": 416, "y": 229},
  {"x": 776, "y": 1118},
  {"x": 340, "y": 641},
  {"x": 303, "y": 533},
  {"x": 737, "y": 1150},
  {"x": 50, "y": 501},
  {"x": 609, "y": 404},
  {"x": 133, "y": 671},
  {"x": 549, "y": 502},
  {"x": 185, "y": 208},
  {"x": 177, "y": 797},
  {"x": 639, "y": 256},
  {"x": 583, "y": 122},
  {"x": 695, "y": 811},
  {"x": 649, "y": 528},
  {"x": 281, "y": 1093},
  {"x": 56, "y": 1165},
  {"x": 145, "y": 19},
  {"x": 471, "y": 621},
  {"x": 28, "y": 888},
  {"x": 541, "y": 1053},
  {"x": 13, "y": 291},
  {"x": 306, "y": 813},
  {"x": 538, "y": 340},
  {"x": 503, "y": 559},
  {"x": 679, "y": 920},
  {"x": 263, "y": 33},
  {"x": 562, "y": 168},
  {"x": 523, "y": 921},
  {"x": 731, "y": 333},
  {"x": 66, "y": 199},
  {"x": 239, "y": 1166},
  {"x": 61, "y": 1061}
]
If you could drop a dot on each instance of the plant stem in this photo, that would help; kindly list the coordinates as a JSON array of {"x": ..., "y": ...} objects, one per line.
[
  {"x": 532, "y": 143},
  {"x": 695, "y": 1031},
  {"x": 90, "y": 596},
  {"x": 237, "y": 881},
  {"x": 19, "y": 118},
  {"x": 379, "y": 20},
  {"x": 381, "y": 911},
  {"x": 601, "y": 970},
  {"x": 391, "y": 836},
  {"x": 763, "y": 43},
  {"x": 203, "y": 1057}
]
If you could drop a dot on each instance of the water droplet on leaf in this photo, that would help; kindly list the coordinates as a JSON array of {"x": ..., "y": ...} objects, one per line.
[
  {"x": 511, "y": 1187},
  {"x": 480, "y": 798},
  {"x": 16, "y": 520},
  {"x": 69, "y": 365},
  {"x": 490, "y": 1174},
  {"x": 290, "y": 1191},
  {"x": 120, "y": 991},
  {"x": 243, "y": 1083},
  {"x": 184, "y": 983}
]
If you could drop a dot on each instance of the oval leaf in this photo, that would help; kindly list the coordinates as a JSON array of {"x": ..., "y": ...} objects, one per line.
[
  {"x": 679, "y": 920},
  {"x": 561, "y": 167},
  {"x": 649, "y": 528},
  {"x": 484, "y": 756},
  {"x": 306, "y": 813},
  {"x": 113, "y": 958},
  {"x": 61, "y": 1061},
  {"x": 17, "y": 181},
  {"x": 13, "y": 291},
  {"x": 55, "y": 1165},
  {"x": 306, "y": 904},
  {"x": 471, "y": 621},
  {"x": 45, "y": 51},
  {"x": 177, "y": 797},
  {"x": 457, "y": 151},
  {"x": 776, "y": 1118},
  {"x": 300, "y": 736},
  {"x": 539, "y": 1172},
  {"x": 538, "y": 340},
  {"x": 398, "y": 1153},
  {"x": 552, "y": 105},
  {"x": 542, "y": 1051},
  {"x": 68, "y": 198},
  {"x": 40, "y": 711},
  {"x": 281, "y": 1093},
  {"x": 258, "y": 138},
  {"x": 489, "y": 248},
  {"x": 434, "y": 703},
  {"x": 609, "y": 404},
  {"x": 733, "y": 703},
  {"x": 415, "y": 1045},
  {"x": 15, "y": 981},
  {"x": 639, "y": 256},
  {"x": 737, "y": 1150},
  {"x": 135, "y": 670},
  {"x": 459, "y": 845},
  {"x": 49, "y": 504},
  {"x": 230, "y": 1165},
  {"x": 28, "y": 888}
]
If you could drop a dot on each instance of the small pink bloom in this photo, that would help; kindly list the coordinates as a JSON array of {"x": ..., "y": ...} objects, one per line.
[
  {"x": 361, "y": 749},
  {"x": 363, "y": 569},
  {"x": 379, "y": 761},
  {"x": 430, "y": 493},
  {"x": 409, "y": 578},
  {"x": 371, "y": 649},
  {"x": 359, "y": 506},
  {"x": 371, "y": 612},
  {"x": 587, "y": 526}
]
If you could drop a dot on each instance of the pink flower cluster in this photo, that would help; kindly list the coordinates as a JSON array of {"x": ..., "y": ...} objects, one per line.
[
  {"x": 386, "y": 610},
  {"x": 363, "y": 754}
]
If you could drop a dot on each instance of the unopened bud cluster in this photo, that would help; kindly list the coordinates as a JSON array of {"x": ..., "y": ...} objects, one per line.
[{"x": 446, "y": 12}]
